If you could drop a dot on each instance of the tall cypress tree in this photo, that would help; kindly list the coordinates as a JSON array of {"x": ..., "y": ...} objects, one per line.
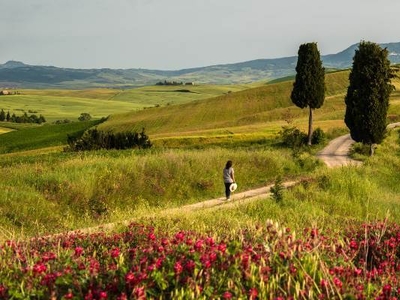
[
  {"x": 367, "y": 98},
  {"x": 309, "y": 85}
]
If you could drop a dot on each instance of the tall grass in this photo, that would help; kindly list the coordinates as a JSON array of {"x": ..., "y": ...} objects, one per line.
[
  {"x": 330, "y": 199},
  {"x": 78, "y": 190}
]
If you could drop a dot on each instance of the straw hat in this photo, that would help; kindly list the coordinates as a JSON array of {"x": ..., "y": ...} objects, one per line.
[{"x": 233, "y": 187}]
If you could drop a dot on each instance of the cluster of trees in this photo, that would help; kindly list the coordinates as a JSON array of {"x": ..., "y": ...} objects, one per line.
[
  {"x": 25, "y": 118},
  {"x": 367, "y": 98},
  {"x": 94, "y": 139},
  {"x": 165, "y": 82}
]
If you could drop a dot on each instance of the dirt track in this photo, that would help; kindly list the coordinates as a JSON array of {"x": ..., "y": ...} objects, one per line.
[{"x": 335, "y": 154}]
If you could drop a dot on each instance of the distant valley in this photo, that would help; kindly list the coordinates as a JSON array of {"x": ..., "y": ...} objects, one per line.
[{"x": 14, "y": 74}]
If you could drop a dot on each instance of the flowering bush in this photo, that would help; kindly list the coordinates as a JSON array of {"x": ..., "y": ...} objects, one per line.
[{"x": 265, "y": 262}]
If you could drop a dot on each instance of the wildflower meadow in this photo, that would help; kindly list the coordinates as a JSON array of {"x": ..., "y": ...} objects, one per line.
[{"x": 267, "y": 261}]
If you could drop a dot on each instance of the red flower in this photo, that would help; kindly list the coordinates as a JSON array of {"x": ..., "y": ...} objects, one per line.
[
  {"x": 139, "y": 293},
  {"x": 353, "y": 245},
  {"x": 115, "y": 252},
  {"x": 151, "y": 236},
  {"x": 69, "y": 296},
  {"x": 198, "y": 245},
  {"x": 210, "y": 241},
  {"x": 179, "y": 236},
  {"x": 103, "y": 295},
  {"x": 178, "y": 268},
  {"x": 227, "y": 295},
  {"x": 130, "y": 278},
  {"x": 222, "y": 248},
  {"x": 190, "y": 265},
  {"x": 253, "y": 293},
  {"x": 337, "y": 282},
  {"x": 324, "y": 283},
  {"x": 39, "y": 268},
  {"x": 78, "y": 251}
]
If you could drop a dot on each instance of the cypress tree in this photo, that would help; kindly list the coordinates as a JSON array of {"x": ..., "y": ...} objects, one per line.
[
  {"x": 309, "y": 85},
  {"x": 367, "y": 98},
  {"x": 2, "y": 115}
]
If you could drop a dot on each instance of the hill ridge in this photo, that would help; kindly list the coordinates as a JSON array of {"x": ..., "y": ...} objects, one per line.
[{"x": 20, "y": 75}]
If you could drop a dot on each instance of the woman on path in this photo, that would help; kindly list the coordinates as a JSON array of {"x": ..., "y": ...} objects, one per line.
[{"x": 229, "y": 178}]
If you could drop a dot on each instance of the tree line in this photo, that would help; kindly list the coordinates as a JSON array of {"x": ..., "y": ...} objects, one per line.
[
  {"x": 24, "y": 118},
  {"x": 94, "y": 139},
  {"x": 367, "y": 97}
]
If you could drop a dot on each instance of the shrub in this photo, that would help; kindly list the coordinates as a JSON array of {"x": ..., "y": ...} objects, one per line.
[
  {"x": 94, "y": 139},
  {"x": 292, "y": 137},
  {"x": 318, "y": 136},
  {"x": 277, "y": 190},
  {"x": 85, "y": 117}
]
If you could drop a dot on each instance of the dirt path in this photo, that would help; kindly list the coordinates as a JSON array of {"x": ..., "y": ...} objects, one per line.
[{"x": 335, "y": 154}]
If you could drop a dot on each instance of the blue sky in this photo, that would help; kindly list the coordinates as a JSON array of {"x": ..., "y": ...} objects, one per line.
[{"x": 178, "y": 34}]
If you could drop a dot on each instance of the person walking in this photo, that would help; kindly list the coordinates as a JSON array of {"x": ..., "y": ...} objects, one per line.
[{"x": 229, "y": 178}]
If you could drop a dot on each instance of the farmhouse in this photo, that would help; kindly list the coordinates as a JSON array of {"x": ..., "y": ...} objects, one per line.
[{"x": 4, "y": 92}]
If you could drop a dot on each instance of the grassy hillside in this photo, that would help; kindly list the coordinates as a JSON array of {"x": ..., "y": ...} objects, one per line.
[
  {"x": 256, "y": 111},
  {"x": 36, "y": 137},
  {"x": 55, "y": 104}
]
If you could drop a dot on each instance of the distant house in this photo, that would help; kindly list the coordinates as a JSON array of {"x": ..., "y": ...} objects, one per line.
[
  {"x": 4, "y": 92},
  {"x": 189, "y": 83}
]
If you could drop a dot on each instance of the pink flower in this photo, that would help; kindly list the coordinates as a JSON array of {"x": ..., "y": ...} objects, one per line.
[
  {"x": 151, "y": 236},
  {"x": 209, "y": 241},
  {"x": 39, "y": 268},
  {"x": 222, "y": 248},
  {"x": 178, "y": 268},
  {"x": 115, "y": 252},
  {"x": 337, "y": 282},
  {"x": 139, "y": 293},
  {"x": 387, "y": 289},
  {"x": 78, "y": 251},
  {"x": 179, "y": 236},
  {"x": 190, "y": 265},
  {"x": 253, "y": 293},
  {"x": 357, "y": 272},
  {"x": 227, "y": 295},
  {"x": 198, "y": 245},
  {"x": 130, "y": 278},
  {"x": 353, "y": 245},
  {"x": 324, "y": 283},
  {"x": 103, "y": 295},
  {"x": 69, "y": 296}
]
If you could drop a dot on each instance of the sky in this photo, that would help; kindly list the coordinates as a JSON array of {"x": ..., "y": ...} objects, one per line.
[{"x": 181, "y": 34}]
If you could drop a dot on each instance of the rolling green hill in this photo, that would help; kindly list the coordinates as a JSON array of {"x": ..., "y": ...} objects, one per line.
[
  {"x": 57, "y": 104},
  {"x": 255, "y": 111}
]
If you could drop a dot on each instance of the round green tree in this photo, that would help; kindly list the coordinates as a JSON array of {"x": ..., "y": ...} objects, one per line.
[
  {"x": 367, "y": 98},
  {"x": 309, "y": 85}
]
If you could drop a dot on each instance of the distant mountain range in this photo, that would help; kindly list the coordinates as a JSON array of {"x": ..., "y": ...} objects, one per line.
[{"x": 20, "y": 75}]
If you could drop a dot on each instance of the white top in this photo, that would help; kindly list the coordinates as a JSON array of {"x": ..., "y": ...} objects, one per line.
[{"x": 228, "y": 175}]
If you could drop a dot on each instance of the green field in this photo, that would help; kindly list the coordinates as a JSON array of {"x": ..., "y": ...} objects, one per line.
[{"x": 69, "y": 104}]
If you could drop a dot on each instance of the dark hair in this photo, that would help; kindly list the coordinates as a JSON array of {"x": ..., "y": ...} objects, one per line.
[{"x": 228, "y": 164}]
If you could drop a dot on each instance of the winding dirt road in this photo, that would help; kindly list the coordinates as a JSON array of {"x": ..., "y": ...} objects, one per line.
[{"x": 335, "y": 154}]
